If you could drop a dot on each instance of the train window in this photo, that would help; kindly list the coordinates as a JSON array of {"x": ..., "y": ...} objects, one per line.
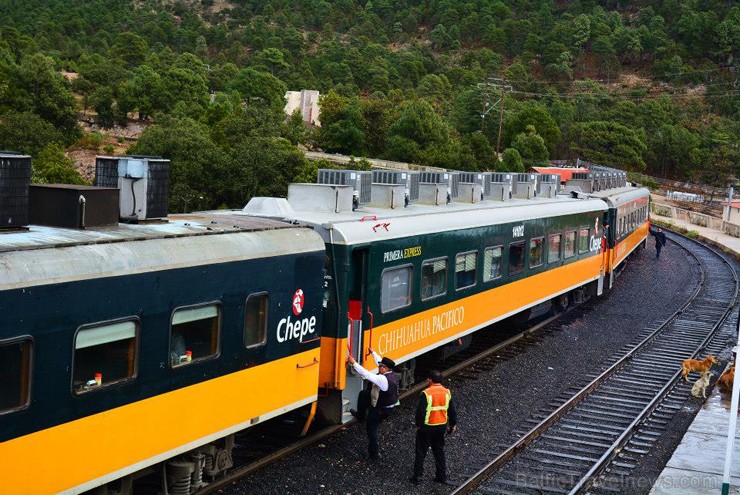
[
  {"x": 395, "y": 290},
  {"x": 536, "y": 247},
  {"x": 553, "y": 247},
  {"x": 194, "y": 333},
  {"x": 15, "y": 375},
  {"x": 433, "y": 278},
  {"x": 465, "y": 269},
  {"x": 492, "y": 259},
  {"x": 583, "y": 235},
  {"x": 104, "y": 354},
  {"x": 255, "y": 320},
  {"x": 516, "y": 257},
  {"x": 570, "y": 244}
]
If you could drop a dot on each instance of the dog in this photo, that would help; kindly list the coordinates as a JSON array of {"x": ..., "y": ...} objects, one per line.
[
  {"x": 725, "y": 381},
  {"x": 700, "y": 386},
  {"x": 697, "y": 365}
]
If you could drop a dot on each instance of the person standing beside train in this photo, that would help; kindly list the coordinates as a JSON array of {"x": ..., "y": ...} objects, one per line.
[
  {"x": 435, "y": 416},
  {"x": 660, "y": 241},
  {"x": 376, "y": 404}
]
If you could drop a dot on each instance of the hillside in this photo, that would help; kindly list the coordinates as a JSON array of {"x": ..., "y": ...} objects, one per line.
[{"x": 646, "y": 86}]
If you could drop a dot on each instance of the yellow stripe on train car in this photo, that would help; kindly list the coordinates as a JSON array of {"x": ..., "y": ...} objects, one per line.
[{"x": 90, "y": 451}]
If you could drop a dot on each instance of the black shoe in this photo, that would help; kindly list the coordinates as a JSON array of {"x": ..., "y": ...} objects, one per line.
[
  {"x": 443, "y": 481},
  {"x": 414, "y": 480}
]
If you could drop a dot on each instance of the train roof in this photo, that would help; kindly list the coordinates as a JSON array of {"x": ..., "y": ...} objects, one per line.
[
  {"x": 621, "y": 195},
  {"x": 45, "y": 255},
  {"x": 368, "y": 224}
]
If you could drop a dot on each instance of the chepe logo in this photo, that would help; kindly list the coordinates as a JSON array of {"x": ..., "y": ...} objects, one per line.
[{"x": 298, "y": 302}]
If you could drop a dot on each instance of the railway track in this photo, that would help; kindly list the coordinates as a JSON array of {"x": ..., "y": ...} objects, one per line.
[{"x": 594, "y": 436}]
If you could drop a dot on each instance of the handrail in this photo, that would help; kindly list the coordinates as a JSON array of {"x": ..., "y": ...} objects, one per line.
[{"x": 372, "y": 319}]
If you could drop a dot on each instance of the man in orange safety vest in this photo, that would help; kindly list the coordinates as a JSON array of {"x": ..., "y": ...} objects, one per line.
[{"x": 435, "y": 416}]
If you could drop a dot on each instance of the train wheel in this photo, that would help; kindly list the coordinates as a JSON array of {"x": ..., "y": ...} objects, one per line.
[{"x": 560, "y": 303}]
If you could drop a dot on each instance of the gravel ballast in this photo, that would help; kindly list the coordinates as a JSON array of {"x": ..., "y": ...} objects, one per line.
[{"x": 492, "y": 406}]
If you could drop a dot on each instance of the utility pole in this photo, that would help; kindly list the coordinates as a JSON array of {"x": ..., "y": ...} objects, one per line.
[{"x": 494, "y": 85}]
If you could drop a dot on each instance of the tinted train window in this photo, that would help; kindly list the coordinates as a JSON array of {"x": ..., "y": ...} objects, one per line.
[
  {"x": 553, "y": 248},
  {"x": 194, "y": 334},
  {"x": 255, "y": 320},
  {"x": 465, "y": 270},
  {"x": 433, "y": 278},
  {"x": 536, "y": 247},
  {"x": 395, "y": 290},
  {"x": 104, "y": 354},
  {"x": 15, "y": 375},
  {"x": 492, "y": 263},
  {"x": 516, "y": 257},
  {"x": 583, "y": 240},
  {"x": 570, "y": 244}
]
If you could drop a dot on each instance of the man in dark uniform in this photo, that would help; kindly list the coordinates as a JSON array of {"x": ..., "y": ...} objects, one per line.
[
  {"x": 377, "y": 404},
  {"x": 659, "y": 240},
  {"x": 435, "y": 416}
]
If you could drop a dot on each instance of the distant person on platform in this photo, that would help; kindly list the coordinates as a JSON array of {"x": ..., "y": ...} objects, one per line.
[
  {"x": 659, "y": 241},
  {"x": 435, "y": 416},
  {"x": 376, "y": 402}
]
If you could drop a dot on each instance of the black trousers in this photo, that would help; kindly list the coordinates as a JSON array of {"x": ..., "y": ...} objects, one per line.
[
  {"x": 658, "y": 247},
  {"x": 434, "y": 437},
  {"x": 372, "y": 416}
]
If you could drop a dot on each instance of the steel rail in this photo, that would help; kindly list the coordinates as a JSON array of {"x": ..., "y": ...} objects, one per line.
[{"x": 511, "y": 452}]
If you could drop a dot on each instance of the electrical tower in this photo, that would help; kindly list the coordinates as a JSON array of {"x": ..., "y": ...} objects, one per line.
[{"x": 494, "y": 86}]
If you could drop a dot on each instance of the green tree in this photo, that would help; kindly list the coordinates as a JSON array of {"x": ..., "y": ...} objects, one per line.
[
  {"x": 609, "y": 144},
  {"x": 511, "y": 161},
  {"x": 51, "y": 166},
  {"x": 530, "y": 145},
  {"x": 131, "y": 48},
  {"x": 532, "y": 113},
  {"x": 253, "y": 84},
  {"x": 26, "y": 132},
  {"x": 420, "y": 135}
]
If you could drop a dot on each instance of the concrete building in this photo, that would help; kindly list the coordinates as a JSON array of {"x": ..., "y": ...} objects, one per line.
[
  {"x": 732, "y": 212},
  {"x": 307, "y": 100}
]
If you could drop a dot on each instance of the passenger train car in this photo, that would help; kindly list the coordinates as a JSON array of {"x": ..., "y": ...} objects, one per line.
[
  {"x": 121, "y": 348},
  {"x": 407, "y": 280},
  {"x": 137, "y": 349}
]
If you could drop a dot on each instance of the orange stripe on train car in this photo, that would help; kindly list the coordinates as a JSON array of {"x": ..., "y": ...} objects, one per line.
[
  {"x": 627, "y": 245},
  {"x": 415, "y": 334},
  {"x": 69, "y": 456}
]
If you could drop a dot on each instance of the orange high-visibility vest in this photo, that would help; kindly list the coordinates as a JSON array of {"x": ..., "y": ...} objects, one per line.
[{"x": 438, "y": 400}]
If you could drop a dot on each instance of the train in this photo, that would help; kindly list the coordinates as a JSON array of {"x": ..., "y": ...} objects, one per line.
[{"x": 135, "y": 344}]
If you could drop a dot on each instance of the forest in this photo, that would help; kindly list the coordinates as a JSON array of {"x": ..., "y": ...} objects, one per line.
[{"x": 647, "y": 86}]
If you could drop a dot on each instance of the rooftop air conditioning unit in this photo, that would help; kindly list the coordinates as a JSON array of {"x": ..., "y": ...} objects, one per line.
[
  {"x": 548, "y": 185},
  {"x": 395, "y": 177},
  {"x": 524, "y": 186},
  {"x": 15, "y": 179},
  {"x": 143, "y": 182},
  {"x": 583, "y": 181},
  {"x": 500, "y": 189},
  {"x": 360, "y": 180}
]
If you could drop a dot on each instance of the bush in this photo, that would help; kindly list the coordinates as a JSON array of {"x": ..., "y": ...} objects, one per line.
[
  {"x": 90, "y": 141},
  {"x": 109, "y": 149}
]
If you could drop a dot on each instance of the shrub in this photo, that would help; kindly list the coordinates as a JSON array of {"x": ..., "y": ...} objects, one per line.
[{"x": 109, "y": 149}]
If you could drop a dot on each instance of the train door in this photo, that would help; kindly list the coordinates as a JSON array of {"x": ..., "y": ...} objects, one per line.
[{"x": 357, "y": 303}]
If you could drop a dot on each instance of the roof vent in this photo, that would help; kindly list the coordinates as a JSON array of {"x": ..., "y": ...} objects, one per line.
[
  {"x": 143, "y": 181},
  {"x": 15, "y": 178}
]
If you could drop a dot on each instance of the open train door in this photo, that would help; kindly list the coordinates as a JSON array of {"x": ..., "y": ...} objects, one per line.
[{"x": 357, "y": 301}]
